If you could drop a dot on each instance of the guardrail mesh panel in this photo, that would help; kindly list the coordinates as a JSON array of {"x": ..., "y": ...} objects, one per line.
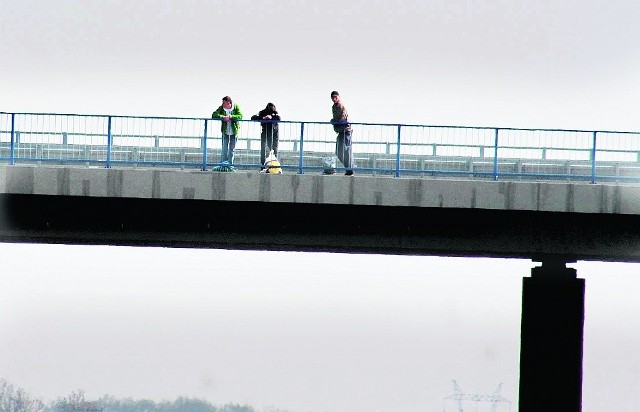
[
  {"x": 618, "y": 147},
  {"x": 59, "y": 138},
  {"x": 544, "y": 153},
  {"x": 5, "y": 136},
  {"x": 156, "y": 140}
]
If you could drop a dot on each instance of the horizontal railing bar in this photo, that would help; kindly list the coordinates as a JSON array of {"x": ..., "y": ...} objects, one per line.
[
  {"x": 501, "y": 128},
  {"x": 356, "y": 144},
  {"x": 196, "y": 150}
]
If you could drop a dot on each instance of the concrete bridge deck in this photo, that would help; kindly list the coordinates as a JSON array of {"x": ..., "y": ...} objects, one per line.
[{"x": 424, "y": 216}]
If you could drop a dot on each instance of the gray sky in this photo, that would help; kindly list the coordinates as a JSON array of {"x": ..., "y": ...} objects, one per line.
[{"x": 309, "y": 332}]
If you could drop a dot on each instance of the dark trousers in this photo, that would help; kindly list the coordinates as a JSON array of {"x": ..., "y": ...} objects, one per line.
[
  {"x": 343, "y": 149},
  {"x": 268, "y": 142},
  {"x": 228, "y": 147}
]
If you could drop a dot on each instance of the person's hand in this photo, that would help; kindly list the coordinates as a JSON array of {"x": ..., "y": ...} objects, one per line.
[
  {"x": 268, "y": 117},
  {"x": 226, "y": 118}
]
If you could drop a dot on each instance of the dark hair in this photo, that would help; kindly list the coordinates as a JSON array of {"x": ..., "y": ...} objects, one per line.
[
  {"x": 335, "y": 93},
  {"x": 271, "y": 108},
  {"x": 227, "y": 99}
]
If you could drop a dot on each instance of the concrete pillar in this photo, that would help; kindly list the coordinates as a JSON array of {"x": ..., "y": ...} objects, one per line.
[{"x": 551, "y": 339}]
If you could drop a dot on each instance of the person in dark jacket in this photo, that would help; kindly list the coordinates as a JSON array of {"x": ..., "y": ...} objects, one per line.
[
  {"x": 341, "y": 126},
  {"x": 269, "y": 138}
]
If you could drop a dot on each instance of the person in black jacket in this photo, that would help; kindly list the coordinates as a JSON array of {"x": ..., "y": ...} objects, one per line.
[{"x": 269, "y": 138}]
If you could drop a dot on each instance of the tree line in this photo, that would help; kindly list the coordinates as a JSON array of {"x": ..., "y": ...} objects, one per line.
[{"x": 14, "y": 399}]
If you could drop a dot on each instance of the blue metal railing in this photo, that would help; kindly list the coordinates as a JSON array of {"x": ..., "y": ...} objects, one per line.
[{"x": 399, "y": 150}]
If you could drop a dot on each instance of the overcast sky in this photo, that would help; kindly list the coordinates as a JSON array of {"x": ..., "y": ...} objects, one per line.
[{"x": 309, "y": 332}]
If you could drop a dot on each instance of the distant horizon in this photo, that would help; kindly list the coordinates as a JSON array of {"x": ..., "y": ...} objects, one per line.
[{"x": 458, "y": 396}]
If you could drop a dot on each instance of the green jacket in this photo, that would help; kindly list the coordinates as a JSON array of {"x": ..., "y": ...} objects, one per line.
[{"x": 236, "y": 114}]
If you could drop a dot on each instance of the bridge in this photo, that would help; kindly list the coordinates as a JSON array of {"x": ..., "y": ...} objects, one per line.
[{"x": 553, "y": 196}]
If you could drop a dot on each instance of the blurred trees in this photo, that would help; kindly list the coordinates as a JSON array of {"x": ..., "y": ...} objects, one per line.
[
  {"x": 75, "y": 402},
  {"x": 14, "y": 399}
]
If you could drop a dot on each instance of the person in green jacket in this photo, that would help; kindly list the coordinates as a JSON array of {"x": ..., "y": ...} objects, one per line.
[{"x": 229, "y": 113}]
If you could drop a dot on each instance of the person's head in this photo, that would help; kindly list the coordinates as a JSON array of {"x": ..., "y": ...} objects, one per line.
[
  {"x": 335, "y": 96},
  {"x": 271, "y": 108},
  {"x": 227, "y": 102}
]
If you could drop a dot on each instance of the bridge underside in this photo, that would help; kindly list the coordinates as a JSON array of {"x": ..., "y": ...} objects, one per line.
[
  {"x": 319, "y": 227},
  {"x": 553, "y": 298}
]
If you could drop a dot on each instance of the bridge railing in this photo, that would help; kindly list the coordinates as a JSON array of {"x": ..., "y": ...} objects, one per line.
[{"x": 379, "y": 149}]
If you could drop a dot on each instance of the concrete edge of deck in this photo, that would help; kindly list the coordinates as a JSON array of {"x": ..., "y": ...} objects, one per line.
[{"x": 574, "y": 197}]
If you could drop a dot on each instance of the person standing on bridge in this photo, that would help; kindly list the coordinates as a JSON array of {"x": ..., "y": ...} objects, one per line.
[
  {"x": 229, "y": 113},
  {"x": 341, "y": 126},
  {"x": 269, "y": 136}
]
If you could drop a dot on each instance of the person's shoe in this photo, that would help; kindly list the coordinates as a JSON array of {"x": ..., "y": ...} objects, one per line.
[{"x": 348, "y": 173}]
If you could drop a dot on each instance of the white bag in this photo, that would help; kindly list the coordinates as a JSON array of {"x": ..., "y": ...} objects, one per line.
[{"x": 329, "y": 165}]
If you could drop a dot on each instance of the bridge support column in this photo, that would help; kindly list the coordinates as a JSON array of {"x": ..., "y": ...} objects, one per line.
[{"x": 551, "y": 339}]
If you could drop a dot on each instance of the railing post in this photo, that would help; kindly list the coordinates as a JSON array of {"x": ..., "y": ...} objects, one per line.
[
  {"x": 13, "y": 144},
  {"x": 398, "y": 154},
  {"x": 300, "y": 158},
  {"x": 495, "y": 156},
  {"x": 109, "y": 142},
  {"x": 593, "y": 159},
  {"x": 204, "y": 145}
]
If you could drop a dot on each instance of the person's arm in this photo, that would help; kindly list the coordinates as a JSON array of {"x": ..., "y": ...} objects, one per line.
[
  {"x": 236, "y": 113},
  {"x": 275, "y": 116},
  {"x": 218, "y": 113}
]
